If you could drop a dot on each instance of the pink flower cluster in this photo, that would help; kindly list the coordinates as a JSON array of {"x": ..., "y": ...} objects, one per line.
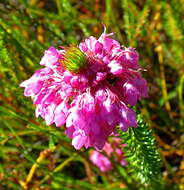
[
  {"x": 88, "y": 89},
  {"x": 111, "y": 151}
]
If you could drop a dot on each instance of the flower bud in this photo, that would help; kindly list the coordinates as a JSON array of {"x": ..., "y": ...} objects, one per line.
[{"x": 74, "y": 59}]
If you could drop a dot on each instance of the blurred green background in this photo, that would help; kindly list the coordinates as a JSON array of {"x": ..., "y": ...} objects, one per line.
[{"x": 28, "y": 27}]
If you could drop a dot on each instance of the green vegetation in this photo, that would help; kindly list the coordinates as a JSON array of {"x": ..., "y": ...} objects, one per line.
[{"x": 36, "y": 156}]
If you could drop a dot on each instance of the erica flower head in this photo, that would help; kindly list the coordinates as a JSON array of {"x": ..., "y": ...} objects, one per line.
[{"x": 89, "y": 89}]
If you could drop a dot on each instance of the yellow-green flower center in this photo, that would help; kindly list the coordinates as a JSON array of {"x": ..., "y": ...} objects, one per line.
[{"x": 74, "y": 59}]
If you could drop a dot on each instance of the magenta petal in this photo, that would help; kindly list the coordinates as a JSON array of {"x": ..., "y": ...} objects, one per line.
[
  {"x": 98, "y": 47},
  {"x": 60, "y": 120},
  {"x": 69, "y": 131},
  {"x": 79, "y": 141},
  {"x": 50, "y": 57},
  {"x": 101, "y": 161},
  {"x": 115, "y": 67}
]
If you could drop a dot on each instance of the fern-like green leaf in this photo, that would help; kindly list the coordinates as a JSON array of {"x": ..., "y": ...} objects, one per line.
[{"x": 143, "y": 156}]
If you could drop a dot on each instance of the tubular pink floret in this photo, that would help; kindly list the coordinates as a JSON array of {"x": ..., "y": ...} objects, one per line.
[{"x": 111, "y": 151}]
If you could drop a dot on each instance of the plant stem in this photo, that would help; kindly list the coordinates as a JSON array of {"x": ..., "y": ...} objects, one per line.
[
  {"x": 180, "y": 97},
  {"x": 159, "y": 50},
  {"x": 29, "y": 177}
]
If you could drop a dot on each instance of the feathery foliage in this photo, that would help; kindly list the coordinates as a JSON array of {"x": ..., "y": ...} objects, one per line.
[{"x": 143, "y": 156}]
